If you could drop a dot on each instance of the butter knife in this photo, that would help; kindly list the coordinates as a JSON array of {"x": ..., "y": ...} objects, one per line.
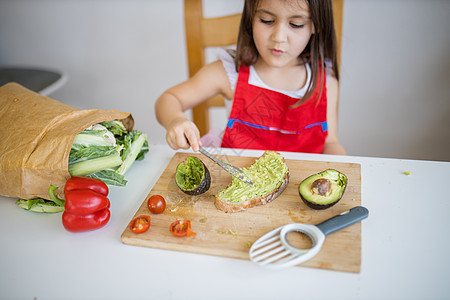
[{"x": 234, "y": 171}]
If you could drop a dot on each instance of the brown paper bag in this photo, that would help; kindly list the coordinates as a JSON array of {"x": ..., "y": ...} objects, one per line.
[{"x": 36, "y": 134}]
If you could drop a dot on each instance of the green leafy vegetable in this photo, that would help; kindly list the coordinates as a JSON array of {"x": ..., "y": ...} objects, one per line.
[
  {"x": 109, "y": 177},
  {"x": 93, "y": 165},
  {"x": 42, "y": 205},
  {"x": 106, "y": 151},
  {"x": 100, "y": 136},
  {"x": 132, "y": 143},
  {"x": 116, "y": 127},
  {"x": 87, "y": 153},
  {"x": 144, "y": 150}
]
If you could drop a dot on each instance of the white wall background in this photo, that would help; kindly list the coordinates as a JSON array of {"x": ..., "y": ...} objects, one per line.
[{"x": 122, "y": 54}]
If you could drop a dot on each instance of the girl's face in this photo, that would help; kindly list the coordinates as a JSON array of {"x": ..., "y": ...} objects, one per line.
[{"x": 281, "y": 31}]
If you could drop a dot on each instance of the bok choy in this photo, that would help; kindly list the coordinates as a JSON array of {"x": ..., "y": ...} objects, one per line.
[{"x": 106, "y": 151}]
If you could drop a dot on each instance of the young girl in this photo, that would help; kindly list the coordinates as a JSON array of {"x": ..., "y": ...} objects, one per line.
[{"x": 284, "y": 97}]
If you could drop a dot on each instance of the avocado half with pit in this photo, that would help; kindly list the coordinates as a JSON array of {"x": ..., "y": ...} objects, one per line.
[
  {"x": 192, "y": 176},
  {"x": 324, "y": 189}
]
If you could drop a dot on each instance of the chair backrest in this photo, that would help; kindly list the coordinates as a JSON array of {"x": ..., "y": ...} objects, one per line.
[{"x": 202, "y": 33}]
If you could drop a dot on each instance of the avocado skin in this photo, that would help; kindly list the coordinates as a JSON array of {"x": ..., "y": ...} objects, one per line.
[
  {"x": 204, "y": 184},
  {"x": 319, "y": 206}
]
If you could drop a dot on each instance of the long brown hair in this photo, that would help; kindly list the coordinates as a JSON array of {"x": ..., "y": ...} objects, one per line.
[{"x": 322, "y": 44}]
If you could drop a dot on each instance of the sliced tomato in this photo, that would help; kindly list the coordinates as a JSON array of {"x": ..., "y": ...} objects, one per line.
[
  {"x": 140, "y": 224},
  {"x": 181, "y": 228},
  {"x": 156, "y": 204}
]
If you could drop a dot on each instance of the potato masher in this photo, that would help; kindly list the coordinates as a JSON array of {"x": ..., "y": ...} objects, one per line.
[{"x": 274, "y": 251}]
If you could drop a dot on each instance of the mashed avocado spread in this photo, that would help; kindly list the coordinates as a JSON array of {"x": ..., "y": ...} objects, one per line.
[
  {"x": 267, "y": 174},
  {"x": 189, "y": 173}
]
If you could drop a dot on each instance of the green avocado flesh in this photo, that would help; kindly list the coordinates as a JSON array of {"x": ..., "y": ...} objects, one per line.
[
  {"x": 192, "y": 176},
  {"x": 267, "y": 174},
  {"x": 324, "y": 189}
]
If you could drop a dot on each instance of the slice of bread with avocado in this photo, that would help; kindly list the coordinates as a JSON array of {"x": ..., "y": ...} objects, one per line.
[{"x": 270, "y": 176}]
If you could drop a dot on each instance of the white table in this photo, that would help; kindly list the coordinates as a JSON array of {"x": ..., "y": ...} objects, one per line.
[{"x": 405, "y": 247}]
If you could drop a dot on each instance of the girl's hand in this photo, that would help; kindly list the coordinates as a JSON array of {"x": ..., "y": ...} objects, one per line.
[
  {"x": 209, "y": 81},
  {"x": 183, "y": 133}
]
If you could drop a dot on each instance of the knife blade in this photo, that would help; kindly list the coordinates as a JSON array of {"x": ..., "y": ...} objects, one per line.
[{"x": 234, "y": 171}]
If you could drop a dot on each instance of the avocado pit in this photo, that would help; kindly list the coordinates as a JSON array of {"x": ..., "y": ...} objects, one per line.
[{"x": 321, "y": 186}]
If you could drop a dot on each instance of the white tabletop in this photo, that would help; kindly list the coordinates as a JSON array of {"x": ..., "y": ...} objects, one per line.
[{"x": 405, "y": 246}]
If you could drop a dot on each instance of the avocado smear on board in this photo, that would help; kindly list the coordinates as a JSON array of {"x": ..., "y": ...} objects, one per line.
[
  {"x": 267, "y": 174},
  {"x": 324, "y": 189}
]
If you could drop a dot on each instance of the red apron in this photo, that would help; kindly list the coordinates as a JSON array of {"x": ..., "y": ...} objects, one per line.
[{"x": 262, "y": 119}]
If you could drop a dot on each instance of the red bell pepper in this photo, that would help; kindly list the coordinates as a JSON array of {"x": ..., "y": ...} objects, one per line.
[
  {"x": 79, "y": 223},
  {"x": 86, "y": 206},
  {"x": 77, "y": 183},
  {"x": 84, "y": 202}
]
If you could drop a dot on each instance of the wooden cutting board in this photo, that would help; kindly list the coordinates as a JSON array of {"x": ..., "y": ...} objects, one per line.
[{"x": 231, "y": 234}]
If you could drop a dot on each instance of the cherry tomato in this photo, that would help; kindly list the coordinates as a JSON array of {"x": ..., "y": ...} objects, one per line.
[
  {"x": 181, "y": 228},
  {"x": 140, "y": 224},
  {"x": 156, "y": 204}
]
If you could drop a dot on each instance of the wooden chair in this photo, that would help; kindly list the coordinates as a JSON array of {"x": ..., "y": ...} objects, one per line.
[{"x": 203, "y": 32}]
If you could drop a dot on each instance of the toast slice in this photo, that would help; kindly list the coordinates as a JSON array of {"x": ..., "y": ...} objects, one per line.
[{"x": 270, "y": 176}]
